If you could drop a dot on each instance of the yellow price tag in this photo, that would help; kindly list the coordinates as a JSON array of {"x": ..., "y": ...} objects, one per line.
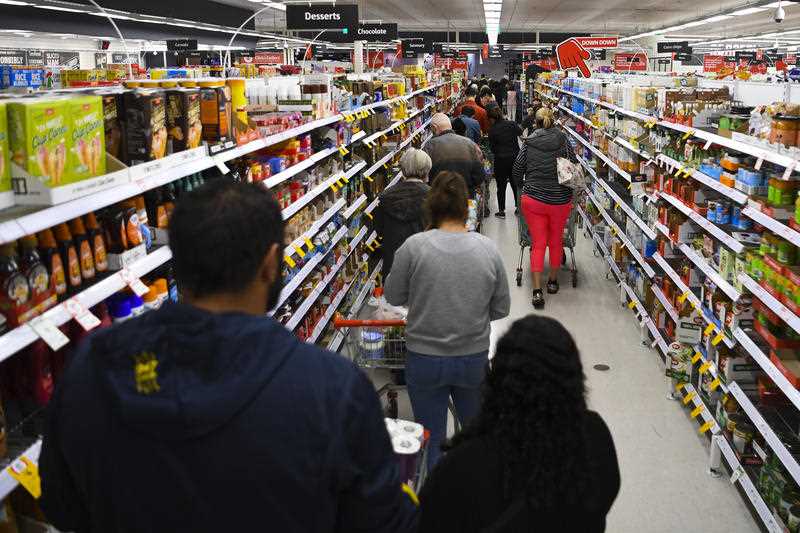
[
  {"x": 697, "y": 411},
  {"x": 709, "y": 329},
  {"x": 689, "y": 397},
  {"x": 705, "y": 427},
  {"x": 682, "y": 297},
  {"x": 371, "y": 249},
  {"x": 368, "y": 178},
  {"x": 289, "y": 261},
  {"x": 630, "y": 186},
  {"x": 678, "y": 173},
  {"x": 369, "y": 215},
  {"x": 718, "y": 339},
  {"x": 346, "y": 179},
  {"x": 688, "y": 134},
  {"x": 339, "y": 183},
  {"x": 333, "y": 187},
  {"x": 697, "y": 357},
  {"x": 384, "y": 138},
  {"x": 386, "y": 166},
  {"x": 299, "y": 251},
  {"x": 348, "y": 118},
  {"x": 26, "y": 472},
  {"x": 705, "y": 367},
  {"x": 342, "y": 150},
  {"x": 309, "y": 244},
  {"x": 679, "y": 387},
  {"x": 632, "y": 304},
  {"x": 714, "y": 384}
]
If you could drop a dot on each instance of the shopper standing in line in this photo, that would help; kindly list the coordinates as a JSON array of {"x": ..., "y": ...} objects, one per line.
[
  {"x": 399, "y": 214},
  {"x": 472, "y": 125},
  {"x": 479, "y": 112},
  {"x": 454, "y": 284},
  {"x": 504, "y": 142},
  {"x": 485, "y": 96},
  {"x": 500, "y": 89},
  {"x": 452, "y": 152},
  {"x": 209, "y": 416},
  {"x": 535, "y": 458},
  {"x": 546, "y": 204}
]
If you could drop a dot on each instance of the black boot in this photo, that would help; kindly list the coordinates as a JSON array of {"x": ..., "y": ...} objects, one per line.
[
  {"x": 538, "y": 299},
  {"x": 552, "y": 287}
]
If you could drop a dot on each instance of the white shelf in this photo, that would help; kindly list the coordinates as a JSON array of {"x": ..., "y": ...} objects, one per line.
[
  {"x": 659, "y": 340},
  {"x": 668, "y": 307},
  {"x": 315, "y": 227},
  {"x": 625, "y": 144},
  {"x": 350, "y": 211},
  {"x": 613, "y": 166},
  {"x": 337, "y": 340},
  {"x": 641, "y": 311},
  {"x": 577, "y": 116},
  {"x": 773, "y": 225},
  {"x": 323, "y": 323},
  {"x": 647, "y": 230},
  {"x": 371, "y": 239},
  {"x": 706, "y": 414},
  {"x": 308, "y": 197},
  {"x": 294, "y": 170},
  {"x": 713, "y": 370},
  {"x": 371, "y": 207},
  {"x": 8, "y": 483},
  {"x": 768, "y": 367},
  {"x": 710, "y": 272},
  {"x": 394, "y": 180},
  {"x": 770, "y": 301},
  {"x": 703, "y": 222},
  {"x": 708, "y": 181},
  {"x": 20, "y": 337}
]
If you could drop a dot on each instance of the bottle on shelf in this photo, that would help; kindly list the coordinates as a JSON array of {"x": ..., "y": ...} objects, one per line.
[
  {"x": 32, "y": 267},
  {"x": 83, "y": 246},
  {"x": 69, "y": 258},
  {"x": 52, "y": 260},
  {"x": 95, "y": 234}
]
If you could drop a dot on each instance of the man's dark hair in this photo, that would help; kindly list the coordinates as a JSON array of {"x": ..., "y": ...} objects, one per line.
[
  {"x": 472, "y": 92},
  {"x": 486, "y": 91},
  {"x": 468, "y": 111},
  {"x": 459, "y": 127},
  {"x": 219, "y": 234}
]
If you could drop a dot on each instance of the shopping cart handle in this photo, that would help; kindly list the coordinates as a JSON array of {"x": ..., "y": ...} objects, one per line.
[{"x": 338, "y": 323}]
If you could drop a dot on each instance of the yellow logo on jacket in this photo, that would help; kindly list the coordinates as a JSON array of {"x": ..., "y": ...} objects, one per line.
[{"x": 145, "y": 373}]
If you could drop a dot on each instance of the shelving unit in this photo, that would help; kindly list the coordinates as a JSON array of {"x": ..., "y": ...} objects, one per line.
[
  {"x": 708, "y": 181},
  {"x": 338, "y": 338},
  {"x": 703, "y": 222}
]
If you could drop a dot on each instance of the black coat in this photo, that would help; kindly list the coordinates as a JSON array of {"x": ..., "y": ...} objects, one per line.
[
  {"x": 399, "y": 215},
  {"x": 504, "y": 139}
]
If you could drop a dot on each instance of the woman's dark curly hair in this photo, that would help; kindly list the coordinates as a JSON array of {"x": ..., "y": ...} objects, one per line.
[{"x": 534, "y": 408}]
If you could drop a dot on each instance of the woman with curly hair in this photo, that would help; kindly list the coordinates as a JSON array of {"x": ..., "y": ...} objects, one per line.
[{"x": 535, "y": 459}]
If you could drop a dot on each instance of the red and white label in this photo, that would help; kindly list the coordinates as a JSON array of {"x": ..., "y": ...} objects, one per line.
[
  {"x": 713, "y": 63},
  {"x": 598, "y": 42},
  {"x": 268, "y": 58},
  {"x": 627, "y": 62}
]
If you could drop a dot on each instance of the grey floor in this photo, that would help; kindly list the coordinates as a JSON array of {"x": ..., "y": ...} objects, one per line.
[{"x": 663, "y": 460}]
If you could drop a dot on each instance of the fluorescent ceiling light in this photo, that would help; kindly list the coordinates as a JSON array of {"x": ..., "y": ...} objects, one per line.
[
  {"x": 748, "y": 11},
  {"x": 14, "y": 3},
  {"x": 718, "y": 18},
  {"x": 695, "y": 23},
  {"x": 776, "y": 4},
  {"x": 493, "y": 7},
  {"x": 60, "y": 8}
]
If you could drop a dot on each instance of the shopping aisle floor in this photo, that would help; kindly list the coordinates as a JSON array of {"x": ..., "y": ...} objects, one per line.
[{"x": 663, "y": 459}]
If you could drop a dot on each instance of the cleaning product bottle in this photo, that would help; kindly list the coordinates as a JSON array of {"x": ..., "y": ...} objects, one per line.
[
  {"x": 133, "y": 231},
  {"x": 144, "y": 223},
  {"x": 83, "y": 245},
  {"x": 95, "y": 234},
  {"x": 15, "y": 291},
  {"x": 52, "y": 260},
  {"x": 137, "y": 305},
  {"x": 69, "y": 256},
  {"x": 35, "y": 271},
  {"x": 162, "y": 290},
  {"x": 150, "y": 299}
]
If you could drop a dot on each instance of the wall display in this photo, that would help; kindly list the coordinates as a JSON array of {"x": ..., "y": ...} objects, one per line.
[
  {"x": 317, "y": 17},
  {"x": 628, "y": 62}
]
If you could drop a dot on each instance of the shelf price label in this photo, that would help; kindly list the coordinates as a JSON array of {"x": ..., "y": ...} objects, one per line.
[
  {"x": 697, "y": 411},
  {"x": 705, "y": 367},
  {"x": 81, "y": 314},
  {"x": 705, "y": 427},
  {"x": 688, "y": 134},
  {"x": 309, "y": 245},
  {"x": 689, "y": 397},
  {"x": 135, "y": 284},
  {"x": 696, "y": 358},
  {"x": 26, "y": 472},
  {"x": 739, "y": 472},
  {"x": 718, "y": 339},
  {"x": 299, "y": 251},
  {"x": 714, "y": 384},
  {"x": 48, "y": 332},
  {"x": 289, "y": 261}
]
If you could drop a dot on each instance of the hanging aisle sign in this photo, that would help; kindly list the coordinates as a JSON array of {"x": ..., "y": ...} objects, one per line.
[
  {"x": 268, "y": 58},
  {"x": 630, "y": 62},
  {"x": 379, "y": 33},
  {"x": 412, "y": 48},
  {"x": 672, "y": 46},
  {"x": 317, "y": 17},
  {"x": 181, "y": 45}
]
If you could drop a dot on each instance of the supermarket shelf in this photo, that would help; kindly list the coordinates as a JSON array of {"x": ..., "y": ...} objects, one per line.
[
  {"x": 372, "y": 138},
  {"x": 773, "y": 225},
  {"x": 708, "y": 181},
  {"x": 709, "y": 271},
  {"x": 600, "y": 245},
  {"x": 334, "y": 305},
  {"x": 768, "y": 367},
  {"x": 621, "y": 236},
  {"x": 747, "y": 486},
  {"x": 668, "y": 307},
  {"x": 774, "y": 442},
  {"x": 385, "y": 159},
  {"x": 663, "y": 230},
  {"x": 309, "y": 267},
  {"x": 8, "y": 483},
  {"x": 705, "y": 413},
  {"x": 577, "y": 116},
  {"x": 712, "y": 368},
  {"x": 20, "y": 337},
  {"x": 28, "y": 220},
  {"x": 634, "y": 298},
  {"x": 625, "y": 144},
  {"x": 703, "y": 222},
  {"x": 337, "y": 340},
  {"x": 372, "y": 238},
  {"x": 315, "y": 227},
  {"x": 613, "y": 166},
  {"x": 350, "y": 211},
  {"x": 308, "y": 197},
  {"x": 624, "y": 206},
  {"x": 770, "y": 301},
  {"x": 294, "y": 170},
  {"x": 371, "y": 207},
  {"x": 394, "y": 180},
  {"x": 658, "y": 338}
]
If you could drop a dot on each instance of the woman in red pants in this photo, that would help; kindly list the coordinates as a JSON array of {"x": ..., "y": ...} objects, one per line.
[{"x": 546, "y": 204}]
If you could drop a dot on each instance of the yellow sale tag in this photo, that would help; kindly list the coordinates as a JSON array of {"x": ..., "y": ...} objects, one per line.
[
  {"x": 714, "y": 384},
  {"x": 704, "y": 367},
  {"x": 289, "y": 261},
  {"x": 705, "y": 427},
  {"x": 630, "y": 186},
  {"x": 679, "y": 387},
  {"x": 309, "y": 244},
  {"x": 697, "y": 411},
  {"x": 348, "y": 118},
  {"x": 371, "y": 249},
  {"x": 689, "y": 397},
  {"x": 678, "y": 173},
  {"x": 368, "y": 178},
  {"x": 333, "y": 187},
  {"x": 339, "y": 183},
  {"x": 26, "y": 472},
  {"x": 384, "y": 137},
  {"x": 688, "y": 134},
  {"x": 369, "y": 215},
  {"x": 682, "y": 297},
  {"x": 709, "y": 329},
  {"x": 697, "y": 357},
  {"x": 346, "y": 179},
  {"x": 300, "y": 252},
  {"x": 717, "y": 339},
  {"x": 386, "y": 166},
  {"x": 632, "y": 304}
]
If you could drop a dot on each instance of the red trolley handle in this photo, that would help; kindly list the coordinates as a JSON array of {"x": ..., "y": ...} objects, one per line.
[{"x": 339, "y": 323}]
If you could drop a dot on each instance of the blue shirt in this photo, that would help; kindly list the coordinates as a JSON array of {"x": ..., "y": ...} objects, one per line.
[{"x": 473, "y": 128}]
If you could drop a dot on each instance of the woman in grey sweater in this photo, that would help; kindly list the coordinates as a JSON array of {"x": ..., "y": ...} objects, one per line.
[{"x": 454, "y": 284}]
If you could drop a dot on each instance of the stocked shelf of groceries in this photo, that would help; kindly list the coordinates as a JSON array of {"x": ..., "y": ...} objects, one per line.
[
  {"x": 84, "y": 241},
  {"x": 691, "y": 205}
]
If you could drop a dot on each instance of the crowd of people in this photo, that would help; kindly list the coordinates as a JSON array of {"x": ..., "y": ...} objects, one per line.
[{"x": 241, "y": 426}]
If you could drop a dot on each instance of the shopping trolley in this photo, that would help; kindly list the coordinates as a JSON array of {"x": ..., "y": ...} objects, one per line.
[{"x": 569, "y": 243}]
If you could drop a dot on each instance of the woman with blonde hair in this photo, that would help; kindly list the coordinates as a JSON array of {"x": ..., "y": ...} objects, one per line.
[{"x": 545, "y": 203}]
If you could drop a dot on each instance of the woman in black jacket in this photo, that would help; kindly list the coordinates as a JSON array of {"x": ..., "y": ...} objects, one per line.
[
  {"x": 504, "y": 142},
  {"x": 536, "y": 459},
  {"x": 399, "y": 214}
]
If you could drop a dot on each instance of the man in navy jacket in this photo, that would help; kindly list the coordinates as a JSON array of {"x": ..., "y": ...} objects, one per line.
[{"x": 207, "y": 416}]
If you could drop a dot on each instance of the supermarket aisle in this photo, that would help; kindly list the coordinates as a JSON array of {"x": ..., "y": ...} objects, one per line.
[{"x": 663, "y": 459}]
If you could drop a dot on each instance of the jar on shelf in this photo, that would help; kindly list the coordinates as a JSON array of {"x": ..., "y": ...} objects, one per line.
[{"x": 784, "y": 130}]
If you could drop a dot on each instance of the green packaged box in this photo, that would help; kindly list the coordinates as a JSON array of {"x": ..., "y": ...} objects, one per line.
[
  {"x": 87, "y": 150},
  {"x": 39, "y": 138},
  {"x": 5, "y": 158}
]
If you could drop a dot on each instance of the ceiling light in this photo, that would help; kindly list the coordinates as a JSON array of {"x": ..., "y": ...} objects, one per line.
[
  {"x": 695, "y": 23},
  {"x": 14, "y": 3},
  {"x": 748, "y": 11},
  {"x": 718, "y": 18},
  {"x": 493, "y": 7},
  {"x": 59, "y": 8},
  {"x": 777, "y": 4}
]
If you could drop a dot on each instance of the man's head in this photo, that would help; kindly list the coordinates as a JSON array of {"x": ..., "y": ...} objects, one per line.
[
  {"x": 227, "y": 243},
  {"x": 459, "y": 127},
  {"x": 486, "y": 95},
  {"x": 440, "y": 123},
  {"x": 468, "y": 111},
  {"x": 472, "y": 92}
]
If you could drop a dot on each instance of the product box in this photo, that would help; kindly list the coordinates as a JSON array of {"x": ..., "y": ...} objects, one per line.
[
  {"x": 146, "y": 126},
  {"x": 40, "y": 139},
  {"x": 214, "y": 114},
  {"x": 87, "y": 155},
  {"x": 13, "y": 76},
  {"x": 184, "y": 128},
  {"x": 113, "y": 110},
  {"x": 679, "y": 362},
  {"x": 5, "y": 157}
]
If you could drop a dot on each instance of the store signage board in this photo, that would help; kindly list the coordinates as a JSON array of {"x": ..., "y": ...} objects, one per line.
[
  {"x": 100, "y": 59},
  {"x": 713, "y": 63},
  {"x": 745, "y": 56},
  {"x": 672, "y": 46},
  {"x": 630, "y": 62},
  {"x": 664, "y": 61},
  {"x": 12, "y": 57},
  {"x": 35, "y": 58},
  {"x": 683, "y": 56},
  {"x": 268, "y": 58},
  {"x": 412, "y": 48},
  {"x": 449, "y": 54},
  {"x": 181, "y": 45},
  {"x": 599, "y": 54},
  {"x": 318, "y": 17},
  {"x": 496, "y": 51},
  {"x": 120, "y": 58},
  {"x": 598, "y": 42},
  {"x": 377, "y": 33}
]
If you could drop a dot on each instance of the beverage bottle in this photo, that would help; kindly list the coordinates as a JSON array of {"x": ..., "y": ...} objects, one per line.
[
  {"x": 51, "y": 258},
  {"x": 83, "y": 246},
  {"x": 70, "y": 258},
  {"x": 97, "y": 240}
]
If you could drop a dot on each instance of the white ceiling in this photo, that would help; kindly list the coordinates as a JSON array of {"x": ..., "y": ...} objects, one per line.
[{"x": 623, "y": 17}]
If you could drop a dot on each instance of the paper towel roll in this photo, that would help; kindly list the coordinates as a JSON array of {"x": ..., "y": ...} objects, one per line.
[
  {"x": 404, "y": 445},
  {"x": 391, "y": 426},
  {"x": 410, "y": 429}
]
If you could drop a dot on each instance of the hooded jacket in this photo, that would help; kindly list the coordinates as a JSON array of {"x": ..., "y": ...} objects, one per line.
[
  {"x": 536, "y": 167},
  {"x": 184, "y": 420},
  {"x": 399, "y": 215}
]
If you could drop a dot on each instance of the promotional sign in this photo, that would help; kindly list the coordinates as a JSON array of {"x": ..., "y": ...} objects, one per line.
[
  {"x": 375, "y": 59},
  {"x": 119, "y": 58},
  {"x": 317, "y": 17},
  {"x": 181, "y": 45},
  {"x": 628, "y": 62},
  {"x": 664, "y": 61},
  {"x": 713, "y": 63},
  {"x": 449, "y": 54},
  {"x": 598, "y": 42},
  {"x": 496, "y": 51},
  {"x": 12, "y": 57},
  {"x": 790, "y": 59},
  {"x": 683, "y": 56},
  {"x": 35, "y": 58},
  {"x": 672, "y": 46},
  {"x": 70, "y": 60},
  {"x": 246, "y": 57},
  {"x": 268, "y": 58},
  {"x": 380, "y": 33},
  {"x": 100, "y": 59},
  {"x": 599, "y": 55},
  {"x": 412, "y": 48},
  {"x": 745, "y": 56}
]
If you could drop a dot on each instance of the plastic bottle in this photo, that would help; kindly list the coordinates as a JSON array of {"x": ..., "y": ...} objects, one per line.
[
  {"x": 95, "y": 234},
  {"x": 114, "y": 230},
  {"x": 144, "y": 223},
  {"x": 120, "y": 310},
  {"x": 151, "y": 300},
  {"x": 136, "y": 305},
  {"x": 169, "y": 199},
  {"x": 83, "y": 246},
  {"x": 15, "y": 292},
  {"x": 69, "y": 256},
  {"x": 35, "y": 271},
  {"x": 133, "y": 230},
  {"x": 52, "y": 260}
]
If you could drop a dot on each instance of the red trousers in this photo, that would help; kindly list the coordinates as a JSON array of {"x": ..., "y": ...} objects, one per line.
[{"x": 546, "y": 225}]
